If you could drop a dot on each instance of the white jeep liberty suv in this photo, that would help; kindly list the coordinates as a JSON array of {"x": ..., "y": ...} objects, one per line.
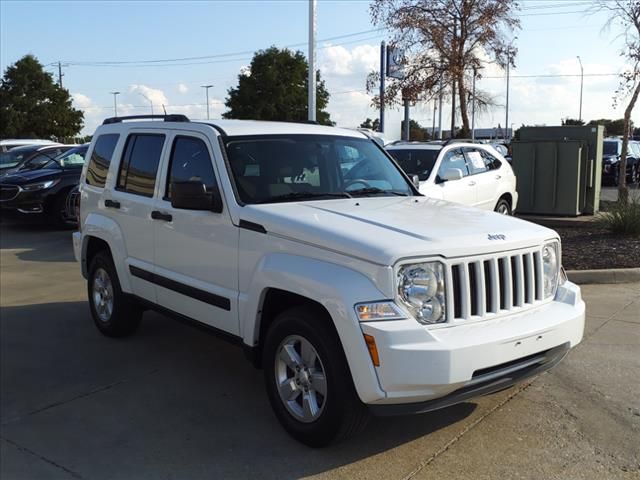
[{"x": 354, "y": 293}]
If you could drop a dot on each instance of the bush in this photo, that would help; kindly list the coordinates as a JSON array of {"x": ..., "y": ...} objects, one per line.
[{"x": 623, "y": 218}]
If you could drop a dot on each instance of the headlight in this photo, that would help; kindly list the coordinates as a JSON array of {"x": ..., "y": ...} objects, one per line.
[
  {"x": 550, "y": 268},
  {"x": 369, "y": 312},
  {"x": 40, "y": 186},
  {"x": 421, "y": 290}
]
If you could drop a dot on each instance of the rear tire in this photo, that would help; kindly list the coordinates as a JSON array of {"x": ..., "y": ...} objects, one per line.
[
  {"x": 113, "y": 312},
  {"x": 302, "y": 345},
  {"x": 503, "y": 207}
]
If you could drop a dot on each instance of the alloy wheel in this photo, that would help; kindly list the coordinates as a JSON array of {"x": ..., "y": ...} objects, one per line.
[{"x": 300, "y": 378}]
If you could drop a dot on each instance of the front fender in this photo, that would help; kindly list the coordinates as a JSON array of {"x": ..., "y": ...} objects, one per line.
[
  {"x": 108, "y": 230},
  {"x": 335, "y": 287}
]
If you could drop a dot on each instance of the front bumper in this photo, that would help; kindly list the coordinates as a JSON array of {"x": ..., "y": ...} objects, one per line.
[{"x": 420, "y": 364}]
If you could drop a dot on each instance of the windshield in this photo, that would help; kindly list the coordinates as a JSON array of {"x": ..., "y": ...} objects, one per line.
[
  {"x": 610, "y": 148},
  {"x": 13, "y": 157},
  {"x": 38, "y": 161},
  {"x": 280, "y": 168},
  {"x": 416, "y": 162},
  {"x": 73, "y": 158}
]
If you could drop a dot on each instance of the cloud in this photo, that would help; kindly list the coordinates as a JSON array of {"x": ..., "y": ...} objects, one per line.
[
  {"x": 360, "y": 60},
  {"x": 155, "y": 96},
  {"x": 182, "y": 88},
  {"x": 81, "y": 101}
]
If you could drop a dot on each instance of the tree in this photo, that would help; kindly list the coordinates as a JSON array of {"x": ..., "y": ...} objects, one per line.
[
  {"x": 371, "y": 125},
  {"x": 611, "y": 127},
  {"x": 275, "y": 88},
  {"x": 417, "y": 133},
  {"x": 626, "y": 14},
  {"x": 33, "y": 105},
  {"x": 572, "y": 121},
  {"x": 446, "y": 42}
]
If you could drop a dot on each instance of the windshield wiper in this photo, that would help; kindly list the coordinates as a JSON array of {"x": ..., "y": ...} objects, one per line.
[
  {"x": 304, "y": 196},
  {"x": 375, "y": 190}
]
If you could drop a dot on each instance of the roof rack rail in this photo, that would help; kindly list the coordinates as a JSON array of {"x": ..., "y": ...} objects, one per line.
[
  {"x": 459, "y": 140},
  {"x": 176, "y": 117}
]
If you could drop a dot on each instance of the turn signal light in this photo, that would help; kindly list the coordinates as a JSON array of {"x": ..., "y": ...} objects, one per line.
[{"x": 373, "y": 349}]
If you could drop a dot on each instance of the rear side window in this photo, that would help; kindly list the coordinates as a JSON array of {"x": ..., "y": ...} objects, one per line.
[
  {"x": 490, "y": 161},
  {"x": 190, "y": 161},
  {"x": 475, "y": 162},
  {"x": 101, "y": 158},
  {"x": 139, "y": 164}
]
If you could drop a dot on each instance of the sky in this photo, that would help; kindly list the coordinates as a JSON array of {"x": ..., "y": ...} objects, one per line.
[{"x": 224, "y": 34}]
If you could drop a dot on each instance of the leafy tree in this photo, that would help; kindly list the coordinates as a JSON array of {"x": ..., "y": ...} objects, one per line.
[
  {"x": 446, "y": 41},
  {"x": 33, "y": 105},
  {"x": 572, "y": 121},
  {"x": 611, "y": 127},
  {"x": 371, "y": 124},
  {"x": 626, "y": 13},
  {"x": 275, "y": 88},
  {"x": 417, "y": 133}
]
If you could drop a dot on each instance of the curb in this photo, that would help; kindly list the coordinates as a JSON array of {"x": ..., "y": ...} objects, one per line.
[{"x": 610, "y": 275}]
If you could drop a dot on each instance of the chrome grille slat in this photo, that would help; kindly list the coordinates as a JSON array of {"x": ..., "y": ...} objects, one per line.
[
  {"x": 8, "y": 192},
  {"x": 490, "y": 285}
]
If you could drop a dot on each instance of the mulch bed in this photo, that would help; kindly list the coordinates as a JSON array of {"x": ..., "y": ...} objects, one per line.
[{"x": 596, "y": 248}]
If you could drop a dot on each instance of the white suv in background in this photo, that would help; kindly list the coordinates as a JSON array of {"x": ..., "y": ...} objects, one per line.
[
  {"x": 309, "y": 247},
  {"x": 461, "y": 172}
]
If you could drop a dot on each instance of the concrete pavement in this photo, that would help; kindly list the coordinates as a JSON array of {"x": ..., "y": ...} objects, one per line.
[{"x": 174, "y": 402}]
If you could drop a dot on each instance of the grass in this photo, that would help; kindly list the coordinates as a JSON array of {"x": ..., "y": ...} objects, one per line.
[{"x": 623, "y": 218}]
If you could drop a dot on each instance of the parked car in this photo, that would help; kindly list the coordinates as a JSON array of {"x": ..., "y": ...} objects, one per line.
[
  {"x": 8, "y": 144},
  {"x": 47, "y": 189},
  {"x": 353, "y": 292},
  {"x": 461, "y": 172},
  {"x": 40, "y": 154},
  {"x": 611, "y": 153}
]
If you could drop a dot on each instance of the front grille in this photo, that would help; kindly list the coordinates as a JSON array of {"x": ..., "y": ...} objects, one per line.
[
  {"x": 482, "y": 287},
  {"x": 8, "y": 192}
]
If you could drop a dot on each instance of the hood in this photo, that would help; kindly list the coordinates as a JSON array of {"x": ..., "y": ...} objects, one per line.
[
  {"x": 29, "y": 176},
  {"x": 384, "y": 230}
]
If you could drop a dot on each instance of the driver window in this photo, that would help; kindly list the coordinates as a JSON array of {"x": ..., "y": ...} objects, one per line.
[{"x": 453, "y": 159}]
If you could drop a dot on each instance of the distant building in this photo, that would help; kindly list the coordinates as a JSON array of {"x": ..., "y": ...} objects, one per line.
[{"x": 496, "y": 133}]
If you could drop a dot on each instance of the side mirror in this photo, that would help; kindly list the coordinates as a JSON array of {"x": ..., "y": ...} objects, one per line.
[
  {"x": 416, "y": 181},
  {"x": 451, "y": 174},
  {"x": 193, "y": 195}
]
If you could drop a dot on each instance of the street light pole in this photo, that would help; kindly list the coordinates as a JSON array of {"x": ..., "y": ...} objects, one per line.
[
  {"x": 581, "y": 84},
  {"x": 206, "y": 89},
  {"x": 115, "y": 105},
  {"x": 506, "y": 122},
  {"x": 148, "y": 100}
]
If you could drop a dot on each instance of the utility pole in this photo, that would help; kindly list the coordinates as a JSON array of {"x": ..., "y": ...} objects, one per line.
[
  {"x": 406, "y": 133},
  {"x": 506, "y": 121},
  {"x": 383, "y": 73},
  {"x": 440, "y": 110},
  {"x": 115, "y": 105},
  {"x": 60, "y": 74},
  {"x": 433, "y": 128},
  {"x": 206, "y": 89},
  {"x": 473, "y": 107},
  {"x": 453, "y": 83},
  {"x": 581, "y": 83},
  {"x": 311, "y": 107}
]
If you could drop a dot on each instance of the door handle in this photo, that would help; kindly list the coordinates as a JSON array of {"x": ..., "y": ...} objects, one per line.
[
  {"x": 157, "y": 215},
  {"x": 471, "y": 183},
  {"x": 498, "y": 177},
  {"x": 111, "y": 204}
]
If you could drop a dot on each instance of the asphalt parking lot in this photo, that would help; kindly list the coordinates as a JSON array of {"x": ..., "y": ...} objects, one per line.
[{"x": 175, "y": 403}]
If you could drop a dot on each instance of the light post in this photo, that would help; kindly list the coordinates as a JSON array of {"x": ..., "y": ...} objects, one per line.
[
  {"x": 148, "y": 100},
  {"x": 311, "y": 79},
  {"x": 581, "y": 84},
  {"x": 115, "y": 105},
  {"x": 206, "y": 89}
]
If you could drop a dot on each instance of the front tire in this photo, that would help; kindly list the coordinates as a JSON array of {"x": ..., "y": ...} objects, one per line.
[
  {"x": 113, "y": 312},
  {"x": 308, "y": 380}
]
